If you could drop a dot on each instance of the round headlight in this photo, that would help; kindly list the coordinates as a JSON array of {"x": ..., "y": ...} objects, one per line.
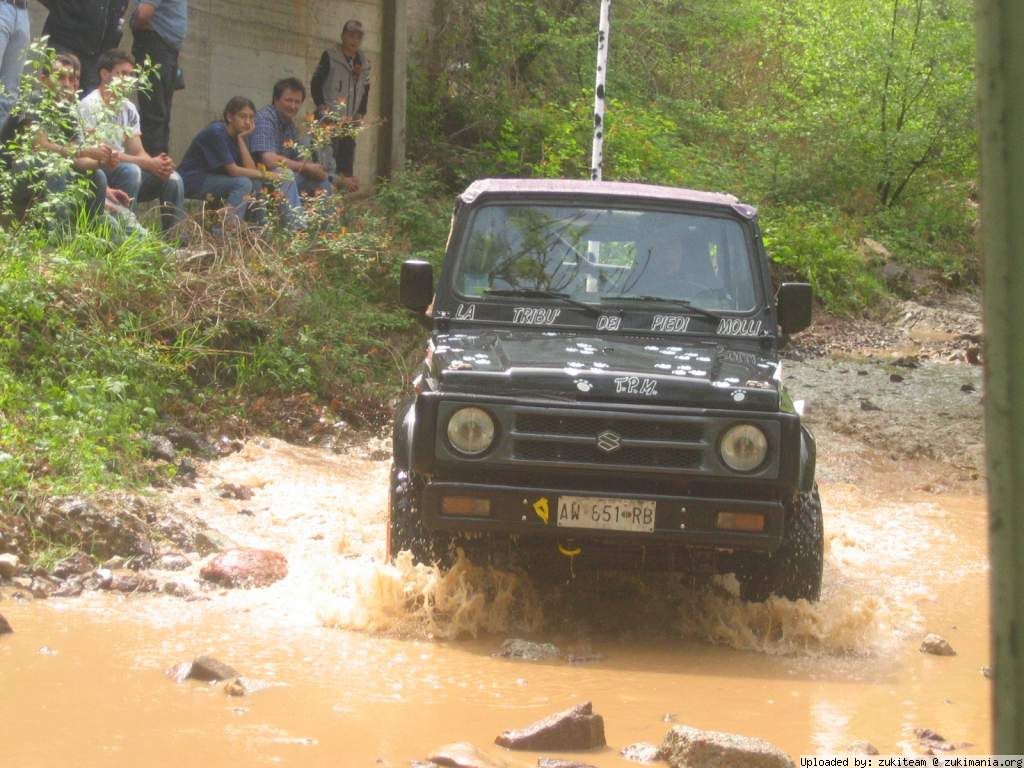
[
  {"x": 744, "y": 447},
  {"x": 471, "y": 431}
]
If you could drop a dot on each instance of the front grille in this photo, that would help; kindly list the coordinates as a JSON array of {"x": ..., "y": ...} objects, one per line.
[
  {"x": 551, "y": 436},
  {"x": 591, "y": 426}
]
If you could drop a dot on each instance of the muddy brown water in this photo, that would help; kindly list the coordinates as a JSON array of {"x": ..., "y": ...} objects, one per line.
[{"x": 376, "y": 665}]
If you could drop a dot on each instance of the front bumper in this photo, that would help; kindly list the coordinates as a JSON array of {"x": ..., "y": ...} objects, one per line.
[{"x": 531, "y": 512}]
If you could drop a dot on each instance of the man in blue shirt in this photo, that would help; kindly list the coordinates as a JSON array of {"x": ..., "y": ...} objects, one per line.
[
  {"x": 160, "y": 27},
  {"x": 274, "y": 142}
]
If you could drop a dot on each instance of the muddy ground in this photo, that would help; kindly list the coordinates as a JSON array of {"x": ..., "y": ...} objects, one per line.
[{"x": 896, "y": 408}]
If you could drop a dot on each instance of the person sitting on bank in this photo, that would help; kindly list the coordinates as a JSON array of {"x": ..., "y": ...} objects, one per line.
[
  {"x": 113, "y": 118},
  {"x": 342, "y": 81},
  {"x": 48, "y": 120},
  {"x": 218, "y": 162},
  {"x": 274, "y": 143}
]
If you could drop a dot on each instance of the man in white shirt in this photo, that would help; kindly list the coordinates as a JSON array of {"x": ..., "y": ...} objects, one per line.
[{"x": 108, "y": 115}]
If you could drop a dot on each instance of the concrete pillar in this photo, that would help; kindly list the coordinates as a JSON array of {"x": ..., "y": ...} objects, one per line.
[
  {"x": 1000, "y": 29},
  {"x": 395, "y": 40}
]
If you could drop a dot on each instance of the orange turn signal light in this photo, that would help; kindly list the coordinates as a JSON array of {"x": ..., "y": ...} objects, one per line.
[
  {"x": 739, "y": 521},
  {"x": 466, "y": 506}
]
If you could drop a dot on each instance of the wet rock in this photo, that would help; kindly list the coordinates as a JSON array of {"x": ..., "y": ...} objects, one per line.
[
  {"x": 968, "y": 388},
  {"x": 895, "y": 378},
  {"x": 529, "y": 651},
  {"x": 131, "y": 581},
  {"x": 574, "y": 728},
  {"x": 247, "y": 512},
  {"x": 172, "y": 561},
  {"x": 8, "y": 565},
  {"x": 71, "y": 588},
  {"x": 641, "y": 752},
  {"x": 933, "y": 741},
  {"x": 113, "y": 525},
  {"x": 101, "y": 578},
  {"x": 867, "y": 405},
  {"x": 908, "y": 361},
  {"x": 5, "y": 626},
  {"x": 554, "y": 762},
  {"x": 208, "y": 541},
  {"x": 77, "y": 564},
  {"x": 243, "y": 686},
  {"x": 464, "y": 755},
  {"x": 584, "y": 658},
  {"x": 233, "y": 491},
  {"x": 936, "y": 645},
  {"x": 225, "y": 446},
  {"x": 40, "y": 589},
  {"x": 686, "y": 747},
  {"x": 987, "y": 672},
  {"x": 115, "y": 563},
  {"x": 861, "y": 747},
  {"x": 176, "y": 589},
  {"x": 204, "y": 668},
  {"x": 22, "y": 582},
  {"x": 669, "y": 717},
  {"x": 187, "y": 440},
  {"x": 246, "y": 567},
  {"x": 186, "y": 472},
  {"x": 159, "y": 447}
]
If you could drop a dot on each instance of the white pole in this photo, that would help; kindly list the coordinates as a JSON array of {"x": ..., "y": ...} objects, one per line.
[{"x": 597, "y": 158}]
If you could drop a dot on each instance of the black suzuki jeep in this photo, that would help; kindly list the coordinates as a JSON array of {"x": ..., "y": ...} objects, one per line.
[{"x": 603, "y": 383}]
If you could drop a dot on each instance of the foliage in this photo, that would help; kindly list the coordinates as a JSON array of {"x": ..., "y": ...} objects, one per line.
[{"x": 849, "y": 109}]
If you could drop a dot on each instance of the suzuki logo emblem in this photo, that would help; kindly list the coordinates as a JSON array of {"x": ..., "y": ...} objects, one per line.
[{"x": 609, "y": 441}]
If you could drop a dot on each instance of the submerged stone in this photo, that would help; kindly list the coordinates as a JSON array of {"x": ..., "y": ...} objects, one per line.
[
  {"x": 464, "y": 755},
  {"x": 246, "y": 567}
]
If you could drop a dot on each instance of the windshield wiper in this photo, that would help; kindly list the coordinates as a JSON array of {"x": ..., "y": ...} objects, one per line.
[
  {"x": 682, "y": 303},
  {"x": 534, "y": 293}
]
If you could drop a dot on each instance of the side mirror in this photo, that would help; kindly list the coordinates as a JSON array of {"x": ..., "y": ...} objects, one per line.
[
  {"x": 416, "y": 288},
  {"x": 794, "y": 307}
]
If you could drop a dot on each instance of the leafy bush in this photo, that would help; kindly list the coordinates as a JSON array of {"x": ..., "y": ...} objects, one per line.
[{"x": 807, "y": 243}]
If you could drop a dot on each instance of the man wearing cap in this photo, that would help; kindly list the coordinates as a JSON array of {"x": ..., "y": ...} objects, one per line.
[{"x": 343, "y": 77}]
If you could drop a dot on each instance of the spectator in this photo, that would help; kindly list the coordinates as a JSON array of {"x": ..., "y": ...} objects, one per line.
[
  {"x": 49, "y": 120},
  {"x": 342, "y": 81},
  {"x": 160, "y": 27},
  {"x": 109, "y": 115},
  {"x": 218, "y": 161},
  {"x": 14, "y": 37},
  {"x": 274, "y": 142},
  {"x": 85, "y": 29}
]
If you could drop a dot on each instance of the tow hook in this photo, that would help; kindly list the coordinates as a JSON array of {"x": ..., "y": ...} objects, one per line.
[{"x": 572, "y": 553}]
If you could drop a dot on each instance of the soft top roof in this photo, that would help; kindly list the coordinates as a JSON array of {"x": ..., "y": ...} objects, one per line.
[{"x": 583, "y": 188}]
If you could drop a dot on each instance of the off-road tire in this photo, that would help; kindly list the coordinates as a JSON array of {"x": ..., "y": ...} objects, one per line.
[
  {"x": 405, "y": 524},
  {"x": 794, "y": 569}
]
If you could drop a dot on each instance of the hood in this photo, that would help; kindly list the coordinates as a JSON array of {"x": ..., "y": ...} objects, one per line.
[{"x": 590, "y": 368}]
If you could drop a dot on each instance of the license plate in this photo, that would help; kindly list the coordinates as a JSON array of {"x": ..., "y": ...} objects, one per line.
[{"x": 606, "y": 513}]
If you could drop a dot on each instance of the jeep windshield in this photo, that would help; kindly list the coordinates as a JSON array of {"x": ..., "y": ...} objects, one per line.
[{"x": 607, "y": 256}]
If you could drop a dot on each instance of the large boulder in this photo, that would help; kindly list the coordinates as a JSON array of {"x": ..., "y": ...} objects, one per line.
[
  {"x": 686, "y": 747},
  {"x": 246, "y": 567},
  {"x": 574, "y": 728}
]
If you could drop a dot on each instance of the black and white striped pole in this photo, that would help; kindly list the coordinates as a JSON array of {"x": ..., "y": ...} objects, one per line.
[{"x": 597, "y": 157}]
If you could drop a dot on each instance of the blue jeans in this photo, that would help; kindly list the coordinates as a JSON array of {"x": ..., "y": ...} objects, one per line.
[
  {"x": 14, "y": 37},
  {"x": 292, "y": 214},
  {"x": 143, "y": 186},
  {"x": 236, "y": 191}
]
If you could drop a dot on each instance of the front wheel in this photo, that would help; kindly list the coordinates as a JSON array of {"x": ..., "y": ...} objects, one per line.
[
  {"x": 794, "y": 570},
  {"x": 405, "y": 522}
]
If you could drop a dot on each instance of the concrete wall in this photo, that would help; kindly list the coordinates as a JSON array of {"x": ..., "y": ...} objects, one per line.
[{"x": 243, "y": 47}]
